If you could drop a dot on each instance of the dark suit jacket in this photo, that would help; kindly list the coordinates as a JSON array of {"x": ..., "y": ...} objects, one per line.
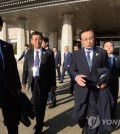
[
  {"x": 79, "y": 66},
  {"x": 105, "y": 102},
  {"x": 47, "y": 69},
  {"x": 10, "y": 67},
  {"x": 105, "y": 105},
  {"x": 22, "y": 55},
  {"x": 114, "y": 79},
  {"x": 58, "y": 59},
  {"x": 67, "y": 59}
]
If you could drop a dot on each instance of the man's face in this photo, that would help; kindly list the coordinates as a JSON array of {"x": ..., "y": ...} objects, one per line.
[
  {"x": 65, "y": 49},
  {"x": 36, "y": 41},
  {"x": 87, "y": 39},
  {"x": 54, "y": 50},
  {"x": 108, "y": 46},
  {"x": 44, "y": 44},
  {"x": 76, "y": 48},
  {"x": 25, "y": 48}
]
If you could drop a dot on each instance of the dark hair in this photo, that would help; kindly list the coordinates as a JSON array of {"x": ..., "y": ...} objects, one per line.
[
  {"x": 85, "y": 30},
  {"x": 55, "y": 47},
  {"x": 36, "y": 33},
  {"x": 45, "y": 39},
  {"x": 77, "y": 45},
  {"x": 107, "y": 41},
  {"x": 26, "y": 45},
  {"x": 1, "y": 21}
]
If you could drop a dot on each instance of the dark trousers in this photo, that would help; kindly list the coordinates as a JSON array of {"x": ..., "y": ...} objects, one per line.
[
  {"x": 63, "y": 72},
  {"x": 114, "y": 92},
  {"x": 10, "y": 113},
  {"x": 52, "y": 97},
  {"x": 92, "y": 111},
  {"x": 58, "y": 72},
  {"x": 39, "y": 96},
  {"x": 72, "y": 83}
]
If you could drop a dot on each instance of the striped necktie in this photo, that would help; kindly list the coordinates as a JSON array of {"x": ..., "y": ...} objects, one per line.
[
  {"x": 88, "y": 59},
  {"x": 36, "y": 61}
]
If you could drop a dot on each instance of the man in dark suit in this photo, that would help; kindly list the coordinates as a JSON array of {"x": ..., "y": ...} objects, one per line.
[
  {"x": 39, "y": 67},
  {"x": 52, "y": 96},
  {"x": 114, "y": 65},
  {"x": 66, "y": 63},
  {"x": 57, "y": 57},
  {"x": 26, "y": 48},
  {"x": 75, "y": 48},
  {"x": 9, "y": 85},
  {"x": 84, "y": 65}
]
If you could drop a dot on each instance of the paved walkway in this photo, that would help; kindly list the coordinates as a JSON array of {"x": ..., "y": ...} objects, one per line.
[{"x": 57, "y": 120}]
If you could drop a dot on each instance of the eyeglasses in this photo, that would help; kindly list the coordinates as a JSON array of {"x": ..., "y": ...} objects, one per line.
[
  {"x": 37, "y": 39},
  {"x": 86, "y": 39}
]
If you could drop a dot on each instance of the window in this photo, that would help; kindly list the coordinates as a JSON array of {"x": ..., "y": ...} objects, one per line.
[{"x": 14, "y": 43}]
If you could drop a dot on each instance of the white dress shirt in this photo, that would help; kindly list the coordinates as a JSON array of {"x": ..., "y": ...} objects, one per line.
[{"x": 36, "y": 69}]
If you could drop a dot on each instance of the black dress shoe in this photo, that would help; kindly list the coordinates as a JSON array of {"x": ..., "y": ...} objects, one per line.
[
  {"x": 37, "y": 129},
  {"x": 52, "y": 105}
]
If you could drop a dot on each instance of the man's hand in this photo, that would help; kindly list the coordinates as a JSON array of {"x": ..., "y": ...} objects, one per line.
[
  {"x": 80, "y": 80},
  {"x": 102, "y": 86},
  {"x": 58, "y": 65},
  {"x": 23, "y": 86}
]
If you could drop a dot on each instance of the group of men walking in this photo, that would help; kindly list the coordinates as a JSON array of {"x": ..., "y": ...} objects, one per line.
[{"x": 83, "y": 65}]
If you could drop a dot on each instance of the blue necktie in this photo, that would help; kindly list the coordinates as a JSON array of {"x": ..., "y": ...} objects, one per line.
[
  {"x": 36, "y": 61},
  {"x": 88, "y": 59},
  {"x": 110, "y": 61}
]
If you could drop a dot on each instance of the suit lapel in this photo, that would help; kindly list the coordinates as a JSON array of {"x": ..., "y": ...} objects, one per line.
[
  {"x": 115, "y": 60},
  {"x": 84, "y": 60},
  {"x": 95, "y": 57},
  {"x": 31, "y": 58},
  {"x": 3, "y": 51},
  {"x": 43, "y": 56}
]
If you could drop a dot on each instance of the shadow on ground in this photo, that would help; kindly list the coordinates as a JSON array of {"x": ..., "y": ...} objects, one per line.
[
  {"x": 60, "y": 122},
  {"x": 118, "y": 116}
]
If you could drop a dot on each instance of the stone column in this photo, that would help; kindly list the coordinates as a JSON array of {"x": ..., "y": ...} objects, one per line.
[
  {"x": 21, "y": 39},
  {"x": 4, "y": 32},
  {"x": 77, "y": 38},
  {"x": 67, "y": 35},
  {"x": 28, "y": 36},
  {"x": 53, "y": 39}
]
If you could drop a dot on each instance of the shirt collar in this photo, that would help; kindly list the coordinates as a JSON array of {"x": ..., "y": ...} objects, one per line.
[
  {"x": 111, "y": 56},
  {"x": 91, "y": 49},
  {"x": 39, "y": 50}
]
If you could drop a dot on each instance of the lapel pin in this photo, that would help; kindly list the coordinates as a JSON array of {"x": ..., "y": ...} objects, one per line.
[
  {"x": 43, "y": 52},
  {"x": 97, "y": 54}
]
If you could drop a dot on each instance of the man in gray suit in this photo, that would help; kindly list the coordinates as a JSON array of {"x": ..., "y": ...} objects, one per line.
[{"x": 66, "y": 63}]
